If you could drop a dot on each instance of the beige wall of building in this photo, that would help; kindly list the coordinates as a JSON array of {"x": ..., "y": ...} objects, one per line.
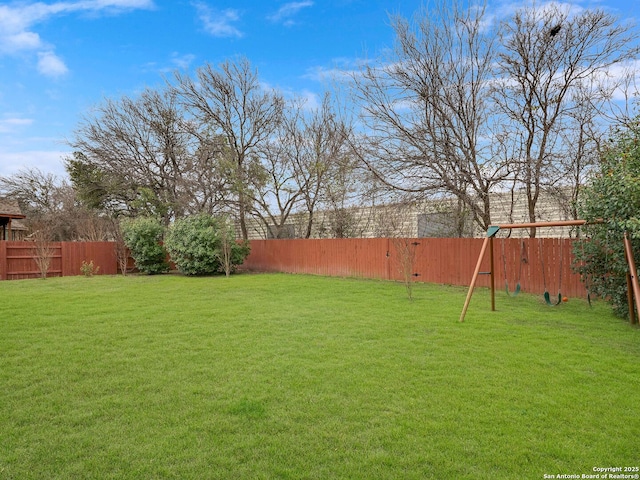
[{"x": 426, "y": 219}]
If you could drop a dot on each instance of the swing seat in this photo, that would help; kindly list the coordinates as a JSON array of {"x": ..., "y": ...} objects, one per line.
[
  {"x": 515, "y": 292},
  {"x": 547, "y": 299}
]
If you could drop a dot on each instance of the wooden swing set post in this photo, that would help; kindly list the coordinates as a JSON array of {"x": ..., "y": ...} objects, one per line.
[
  {"x": 630, "y": 304},
  {"x": 476, "y": 272},
  {"x": 493, "y": 278},
  {"x": 491, "y": 233},
  {"x": 633, "y": 288}
]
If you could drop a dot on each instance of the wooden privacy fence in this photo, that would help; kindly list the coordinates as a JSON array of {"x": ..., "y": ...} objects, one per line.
[
  {"x": 18, "y": 259},
  {"x": 536, "y": 263}
]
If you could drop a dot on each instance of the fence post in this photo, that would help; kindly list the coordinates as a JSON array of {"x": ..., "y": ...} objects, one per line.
[
  {"x": 3, "y": 260},
  {"x": 64, "y": 259},
  {"x": 388, "y": 257}
]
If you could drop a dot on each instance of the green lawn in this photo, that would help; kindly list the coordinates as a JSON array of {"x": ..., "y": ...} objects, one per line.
[{"x": 282, "y": 376}]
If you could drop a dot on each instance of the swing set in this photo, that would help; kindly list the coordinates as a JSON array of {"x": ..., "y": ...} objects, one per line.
[{"x": 632, "y": 278}]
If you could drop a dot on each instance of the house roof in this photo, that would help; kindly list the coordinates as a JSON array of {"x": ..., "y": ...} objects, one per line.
[
  {"x": 18, "y": 225},
  {"x": 10, "y": 209}
]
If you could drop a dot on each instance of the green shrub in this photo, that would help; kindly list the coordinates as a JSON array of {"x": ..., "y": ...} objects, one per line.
[
  {"x": 612, "y": 199},
  {"x": 89, "y": 269},
  {"x": 143, "y": 237},
  {"x": 204, "y": 245}
]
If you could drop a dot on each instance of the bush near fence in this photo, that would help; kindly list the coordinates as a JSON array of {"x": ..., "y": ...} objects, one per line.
[{"x": 451, "y": 261}]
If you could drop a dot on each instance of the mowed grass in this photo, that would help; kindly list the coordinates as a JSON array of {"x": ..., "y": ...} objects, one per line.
[{"x": 301, "y": 377}]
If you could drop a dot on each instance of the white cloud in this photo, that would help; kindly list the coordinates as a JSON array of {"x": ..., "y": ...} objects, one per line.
[
  {"x": 13, "y": 123},
  {"x": 182, "y": 62},
  {"x": 50, "y": 65},
  {"x": 175, "y": 62},
  {"x": 620, "y": 81},
  {"x": 17, "y": 22},
  {"x": 308, "y": 99},
  {"x": 343, "y": 69},
  {"x": 218, "y": 23},
  {"x": 288, "y": 10},
  {"x": 324, "y": 74},
  {"x": 45, "y": 160},
  {"x": 311, "y": 100},
  {"x": 503, "y": 10},
  {"x": 119, "y": 4},
  {"x": 19, "y": 42}
]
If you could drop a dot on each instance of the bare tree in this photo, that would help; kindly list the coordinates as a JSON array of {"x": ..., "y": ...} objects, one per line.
[
  {"x": 207, "y": 184},
  {"x": 276, "y": 189},
  {"x": 461, "y": 111},
  {"x": 227, "y": 240},
  {"x": 140, "y": 150},
  {"x": 550, "y": 66},
  {"x": 91, "y": 225},
  {"x": 345, "y": 211},
  {"x": 232, "y": 103},
  {"x": 324, "y": 163},
  {"x": 35, "y": 190},
  {"x": 343, "y": 198},
  {"x": 43, "y": 250},
  {"x": 405, "y": 250},
  {"x": 121, "y": 250},
  {"x": 46, "y": 200},
  {"x": 426, "y": 110},
  {"x": 395, "y": 221},
  {"x": 584, "y": 139},
  {"x": 303, "y": 166}
]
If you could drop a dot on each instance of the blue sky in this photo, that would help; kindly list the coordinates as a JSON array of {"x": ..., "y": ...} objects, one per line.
[{"x": 60, "y": 58}]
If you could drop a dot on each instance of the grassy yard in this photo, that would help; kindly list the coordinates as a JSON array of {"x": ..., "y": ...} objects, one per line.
[{"x": 280, "y": 376}]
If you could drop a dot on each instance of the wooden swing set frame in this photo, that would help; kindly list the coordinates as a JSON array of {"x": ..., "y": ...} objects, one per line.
[{"x": 633, "y": 287}]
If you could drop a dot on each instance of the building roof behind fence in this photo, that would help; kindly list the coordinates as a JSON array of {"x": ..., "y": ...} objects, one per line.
[{"x": 10, "y": 208}]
